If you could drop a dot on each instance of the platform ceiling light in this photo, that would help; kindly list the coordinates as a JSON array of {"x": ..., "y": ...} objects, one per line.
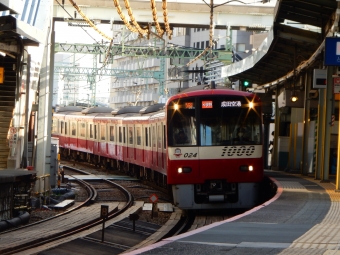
[{"x": 294, "y": 97}]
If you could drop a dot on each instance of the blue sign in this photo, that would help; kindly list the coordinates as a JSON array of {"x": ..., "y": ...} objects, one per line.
[{"x": 332, "y": 51}]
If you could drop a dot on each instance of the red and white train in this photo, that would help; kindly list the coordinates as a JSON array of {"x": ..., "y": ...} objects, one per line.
[{"x": 205, "y": 144}]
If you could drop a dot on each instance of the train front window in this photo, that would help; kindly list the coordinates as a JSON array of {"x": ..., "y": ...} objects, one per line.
[
  {"x": 228, "y": 121},
  {"x": 213, "y": 121},
  {"x": 182, "y": 119}
]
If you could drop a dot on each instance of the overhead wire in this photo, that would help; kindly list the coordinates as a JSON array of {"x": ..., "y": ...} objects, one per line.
[
  {"x": 72, "y": 17},
  {"x": 211, "y": 33},
  {"x": 105, "y": 60},
  {"x": 89, "y": 21},
  {"x": 211, "y": 27}
]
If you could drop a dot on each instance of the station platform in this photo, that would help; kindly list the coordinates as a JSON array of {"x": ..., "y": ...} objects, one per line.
[{"x": 302, "y": 218}]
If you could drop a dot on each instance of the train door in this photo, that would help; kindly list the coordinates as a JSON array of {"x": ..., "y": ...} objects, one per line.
[
  {"x": 62, "y": 133},
  {"x": 120, "y": 142},
  {"x": 138, "y": 143},
  {"x": 154, "y": 146},
  {"x": 90, "y": 137},
  {"x": 82, "y": 135},
  {"x": 130, "y": 145},
  {"x": 95, "y": 139},
  {"x": 146, "y": 151},
  {"x": 125, "y": 150},
  {"x": 159, "y": 146},
  {"x": 73, "y": 135},
  {"x": 102, "y": 140},
  {"x": 67, "y": 134},
  {"x": 164, "y": 148},
  {"x": 111, "y": 150}
]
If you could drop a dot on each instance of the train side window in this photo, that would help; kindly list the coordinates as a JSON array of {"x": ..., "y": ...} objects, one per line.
[
  {"x": 146, "y": 137},
  {"x": 124, "y": 135},
  {"x": 102, "y": 132},
  {"x": 139, "y": 135},
  {"x": 112, "y": 133},
  {"x": 61, "y": 127},
  {"x": 91, "y": 130},
  {"x": 65, "y": 128},
  {"x": 120, "y": 135},
  {"x": 95, "y": 132},
  {"x": 82, "y": 129},
  {"x": 130, "y": 135},
  {"x": 73, "y": 128}
]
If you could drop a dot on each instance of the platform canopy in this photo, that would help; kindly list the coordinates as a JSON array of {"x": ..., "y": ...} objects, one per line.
[{"x": 298, "y": 31}]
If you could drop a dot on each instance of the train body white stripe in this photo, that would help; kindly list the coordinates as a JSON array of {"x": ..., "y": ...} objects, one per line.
[{"x": 215, "y": 152}]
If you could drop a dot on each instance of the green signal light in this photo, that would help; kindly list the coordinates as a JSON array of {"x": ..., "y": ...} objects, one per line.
[{"x": 246, "y": 83}]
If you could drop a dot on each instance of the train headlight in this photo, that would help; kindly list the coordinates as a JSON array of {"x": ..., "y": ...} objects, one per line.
[
  {"x": 184, "y": 170},
  {"x": 176, "y": 107},
  {"x": 251, "y": 105},
  {"x": 246, "y": 168}
]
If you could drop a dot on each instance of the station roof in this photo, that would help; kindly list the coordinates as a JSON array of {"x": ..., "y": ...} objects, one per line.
[
  {"x": 287, "y": 45},
  {"x": 13, "y": 28},
  {"x": 15, "y": 175}
]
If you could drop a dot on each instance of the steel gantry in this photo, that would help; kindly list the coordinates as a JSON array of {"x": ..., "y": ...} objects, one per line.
[
  {"x": 224, "y": 56},
  {"x": 84, "y": 73}
]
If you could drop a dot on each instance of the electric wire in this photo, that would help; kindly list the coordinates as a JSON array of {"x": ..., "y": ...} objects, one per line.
[
  {"x": 72, "y": 17},
  {"x": 89, "y": 21}
]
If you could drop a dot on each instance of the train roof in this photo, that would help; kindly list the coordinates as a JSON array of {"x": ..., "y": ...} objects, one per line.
[
  {"x": 152, "y": 108},
  {"x": 202, "y": 87},
  {"x": 127, "y": 109},
  {"x": 131, "y": 110},
  {"x": 97, "y": 110},
  {"x": 207, "y": 89},
  {"x": 69, "y": 109}
]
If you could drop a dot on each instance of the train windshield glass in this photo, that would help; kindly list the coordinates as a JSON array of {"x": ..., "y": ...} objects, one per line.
[
  {"x": 228, "y": 121},
  {"x": 182, "y": 123},
  {"x": 213, "y": 121}
]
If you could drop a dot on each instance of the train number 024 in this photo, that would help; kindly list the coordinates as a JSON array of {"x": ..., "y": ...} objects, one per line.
[{"x": 190, "y": 155}]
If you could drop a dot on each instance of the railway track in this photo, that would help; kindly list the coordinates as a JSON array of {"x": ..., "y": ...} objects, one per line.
[
  {"x": 76, "y": 220},
  {"x": 120, "y": 236}
]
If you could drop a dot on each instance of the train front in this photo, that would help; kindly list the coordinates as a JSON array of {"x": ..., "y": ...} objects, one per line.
[{"x": 215, "y": 152}]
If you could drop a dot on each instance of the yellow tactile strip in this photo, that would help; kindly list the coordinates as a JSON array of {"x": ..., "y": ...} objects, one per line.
[{"x": 323, "y": 238}]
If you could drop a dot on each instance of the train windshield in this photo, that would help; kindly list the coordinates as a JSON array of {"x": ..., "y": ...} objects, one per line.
[{"x": 213, "y": 121}]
